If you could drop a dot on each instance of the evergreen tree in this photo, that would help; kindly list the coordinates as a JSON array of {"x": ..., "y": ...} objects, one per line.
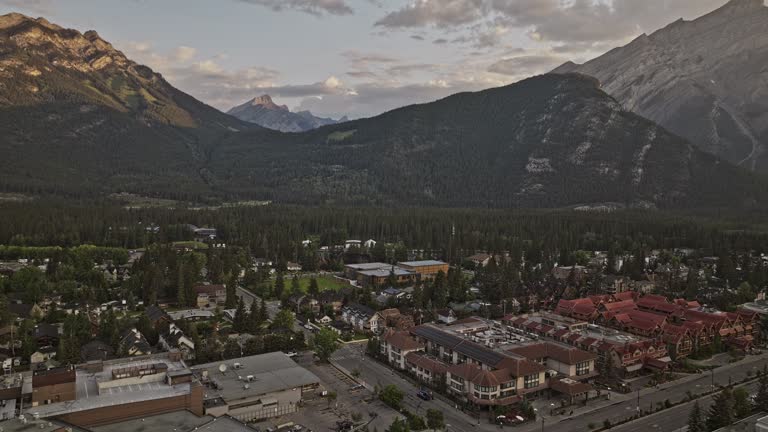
[
  {"x": 439, "y": 291},
  {"x": 742, "y": 406},
  {"x": 721, "y": 412},
  {"x": 239, "y": 323},
  {"x": 231, "y": 300},
  {"x": 253, "y": 325},
  {"x": 435, "y": 419},
  {"x": 263, "y": 313},
  {"x": 314, "y": 288},
  {"x": 695, "y": 422},
  {"x": 279, "y": 285},
  {"x": 399, "y": 426},
  {"x": 181, "y": 288}
]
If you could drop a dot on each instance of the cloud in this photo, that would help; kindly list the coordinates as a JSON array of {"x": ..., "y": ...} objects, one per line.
[
  {"x": 184, "y": 53},
  {"x": 313, "y": 7},
  {"x": 573, "y": 21},
  {"x": 526, "y": 65},
  {"x": 204, "y": 79},
  {"x": 373, "y": 98},
  {"x": 438, "y": 13}
]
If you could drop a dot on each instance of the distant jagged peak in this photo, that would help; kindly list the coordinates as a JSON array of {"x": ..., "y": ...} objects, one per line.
[{"x": 267, "y": 102}]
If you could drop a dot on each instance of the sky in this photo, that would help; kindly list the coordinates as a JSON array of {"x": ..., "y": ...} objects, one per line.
[{"x": 357, "y": 58}]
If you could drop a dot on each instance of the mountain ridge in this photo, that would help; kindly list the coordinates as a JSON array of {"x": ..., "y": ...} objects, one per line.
[
  {"x": 83, "y": 120},
  {"x": 263, "y": 111},
  {"x": 703, "y": 79}
]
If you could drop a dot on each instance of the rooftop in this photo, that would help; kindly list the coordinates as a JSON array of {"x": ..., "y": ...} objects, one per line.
[
  {"x": 268, "y": 373},
  {"x": 89, "y": 397},
  {"x": 422, "y": 263},
  {"x": 177, "y": 421}
]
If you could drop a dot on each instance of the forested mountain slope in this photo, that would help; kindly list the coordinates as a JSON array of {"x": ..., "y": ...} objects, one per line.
[
  {"x": 549, "y": 141},
  {"x": 78, "y": 118}
]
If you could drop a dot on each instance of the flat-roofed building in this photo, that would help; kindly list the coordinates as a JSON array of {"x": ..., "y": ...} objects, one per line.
[
  {"x": 427, "y": 269},
  {"x": 101, "y": 393},
  {"x": 255, "y": 387}
]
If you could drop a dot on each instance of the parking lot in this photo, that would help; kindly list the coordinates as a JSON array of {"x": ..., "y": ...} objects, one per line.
[{"x": 323, "y": 413}]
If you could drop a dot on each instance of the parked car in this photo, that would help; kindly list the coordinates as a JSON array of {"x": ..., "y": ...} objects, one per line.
[
  {"x": 291, "y": 354},
  {"x": 423, "y": 394}
]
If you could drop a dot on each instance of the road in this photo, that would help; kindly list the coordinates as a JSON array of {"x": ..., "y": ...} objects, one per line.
[
  {"x": 675, "y": 392},
  {"x": 352, "y": 357},
  {"x": 672, "y": 419}
]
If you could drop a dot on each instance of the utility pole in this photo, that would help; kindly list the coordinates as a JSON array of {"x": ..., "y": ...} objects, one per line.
[{"x": 638, "y": 401}]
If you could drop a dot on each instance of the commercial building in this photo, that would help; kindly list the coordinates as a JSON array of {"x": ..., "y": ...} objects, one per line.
[
  {"x": 255, "y": 387},
  {"x": 426, "y": 270},
  {"x": 484, "y": 376},
  {"x": 378, "y": 274},
  {"x": 100, "y": 393}
]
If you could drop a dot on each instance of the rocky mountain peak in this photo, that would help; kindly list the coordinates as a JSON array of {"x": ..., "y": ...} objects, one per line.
[
  {"x": 267, "y": 102},
  {"x": 701, "y": 79}
]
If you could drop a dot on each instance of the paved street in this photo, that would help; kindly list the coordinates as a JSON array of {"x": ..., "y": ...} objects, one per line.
[
  {"x": 352, "y": 357},
  {"x": 673, "y": 419},
  {"x": 674, "y": 391},
  {"x": 373, "y": 373}
]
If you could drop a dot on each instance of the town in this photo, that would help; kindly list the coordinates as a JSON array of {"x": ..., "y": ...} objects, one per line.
[{"x": 370, "y": 335}]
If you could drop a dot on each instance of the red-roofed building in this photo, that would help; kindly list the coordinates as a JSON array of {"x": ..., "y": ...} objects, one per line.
[
  {"x": 679, "y": 341},
  {"x": 396, "y": 345}
]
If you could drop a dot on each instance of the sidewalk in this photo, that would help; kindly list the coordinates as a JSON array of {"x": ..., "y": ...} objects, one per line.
[{"x": 619, "y": 398}]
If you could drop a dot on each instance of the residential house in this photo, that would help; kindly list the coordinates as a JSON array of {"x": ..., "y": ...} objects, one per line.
[
  {"x": 293, "y": 267},
  {"x": 43, "y": 355},
  {"x": 47, "y": 334},
  {"x": 330, "y": 299},
  {"x": 157, "y": 316},
  {"x": 446, "y": 316},
  {"x": 26, "y": 311},
  {"x": 362, "y": 318},
  {"x": 210, "y": 295},
  {"x": 174, "y": 339},
  {"x": 298, "y": 302},
  {"x": 96, "y": 350},
  {"x": 479, "y": 260},
  {"x": 133, "y": 343}
]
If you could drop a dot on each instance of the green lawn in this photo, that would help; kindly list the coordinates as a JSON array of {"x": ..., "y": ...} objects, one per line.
[
  {"x": 324, "y": 283},
  {"x": 191, "y": 244}
]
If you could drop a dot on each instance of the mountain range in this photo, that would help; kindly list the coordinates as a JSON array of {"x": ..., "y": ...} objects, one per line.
[
  {"x": 80, "y": 119},
  {"x": 266, "y": 113},
  {"x": 705, "y": 80}
]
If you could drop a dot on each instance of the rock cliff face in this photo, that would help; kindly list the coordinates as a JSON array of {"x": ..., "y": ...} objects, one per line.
[
  {"x": 264, "y": 112},
  {"x": 706, "y": 80}
]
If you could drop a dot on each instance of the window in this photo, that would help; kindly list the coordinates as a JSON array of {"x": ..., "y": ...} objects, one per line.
[
  {"x": 486, "y": 389},
  {"x": 531, "y": 381},
  {"x": 582, "y": 368}
]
